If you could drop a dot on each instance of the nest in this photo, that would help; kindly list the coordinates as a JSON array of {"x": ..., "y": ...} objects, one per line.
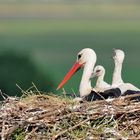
[{"x": 42, "y": 117}]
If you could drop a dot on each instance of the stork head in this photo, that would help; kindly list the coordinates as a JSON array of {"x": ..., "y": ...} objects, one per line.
[
  {"x": 98, "y": 71},
  {"x": 85, "y": 56},
  {"x": 118, "y": 55}
]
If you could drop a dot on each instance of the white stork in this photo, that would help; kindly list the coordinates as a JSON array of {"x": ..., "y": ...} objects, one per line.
[
  {"x": 117, "y": 81},
  {"x": 86, "y": 59},
  {"x": 101, "y": 85}
]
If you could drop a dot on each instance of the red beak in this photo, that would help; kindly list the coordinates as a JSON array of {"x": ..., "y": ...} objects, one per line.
[{"x": 75, "y": 68}]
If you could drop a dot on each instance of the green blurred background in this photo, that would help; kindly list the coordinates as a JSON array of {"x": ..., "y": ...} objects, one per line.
[{"x": 39, "y": 40}]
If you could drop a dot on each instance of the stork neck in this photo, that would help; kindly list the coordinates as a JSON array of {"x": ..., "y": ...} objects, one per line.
[
  {"x": 117, "y": 78},
  {"x": 100, "y": 79},
  {"x": 85, "y": 85}
]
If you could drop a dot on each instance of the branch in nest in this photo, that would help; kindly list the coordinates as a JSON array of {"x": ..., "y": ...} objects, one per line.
[{"x": 70, "y": 129}]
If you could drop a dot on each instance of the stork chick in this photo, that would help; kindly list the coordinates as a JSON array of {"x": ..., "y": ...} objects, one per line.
[{"x": 101, "y": 85}]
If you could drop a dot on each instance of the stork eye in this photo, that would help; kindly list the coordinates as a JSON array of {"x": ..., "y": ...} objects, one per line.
[
  {"x": 98, "y": 71},
  {"x": 79, "y": 56}
]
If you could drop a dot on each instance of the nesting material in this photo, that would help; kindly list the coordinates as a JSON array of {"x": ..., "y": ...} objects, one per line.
[{"x": 42, "y": 117}]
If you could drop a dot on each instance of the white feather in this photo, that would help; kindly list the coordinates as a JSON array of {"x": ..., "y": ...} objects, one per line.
[
  {"x": 117, "y": 81},
  {"x": 101, "y": 85}
]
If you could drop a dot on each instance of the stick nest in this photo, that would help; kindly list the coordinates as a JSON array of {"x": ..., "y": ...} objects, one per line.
[{"x": 51, "y": 117}]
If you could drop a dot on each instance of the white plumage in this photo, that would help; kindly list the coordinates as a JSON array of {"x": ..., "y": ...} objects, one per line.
[
  {"x": 101, "y": 85},
  {"x": 117, "y": 81}
]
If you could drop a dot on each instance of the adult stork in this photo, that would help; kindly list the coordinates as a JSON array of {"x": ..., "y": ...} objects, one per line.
[
  {"x": 117, "y": 82},
  {"x": 86, "y": 59},
  {"x": 101, "y": 85}
]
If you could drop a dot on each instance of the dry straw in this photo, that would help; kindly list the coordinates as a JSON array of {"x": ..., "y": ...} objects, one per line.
[{"x": 41, "y": 117}]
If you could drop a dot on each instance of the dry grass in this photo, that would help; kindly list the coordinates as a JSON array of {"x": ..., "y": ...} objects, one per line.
[{"x": 39, "y": 117}]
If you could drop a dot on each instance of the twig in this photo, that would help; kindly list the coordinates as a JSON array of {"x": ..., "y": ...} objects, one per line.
[
  {"x": 101, "y": 96},
  {"x": 4, "y": 95},
  {"x": 69, "y": 129},
  {"x": 130, "y": 124},
  {"x": 131, "y": 96},
  {"x": 36, "y": 88},
  {"x": 29, "y": 89},
  {"x": 74, "y": 93},
  {"x": 24, "y": 92},
  {"x": 3, "y": 131}
]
